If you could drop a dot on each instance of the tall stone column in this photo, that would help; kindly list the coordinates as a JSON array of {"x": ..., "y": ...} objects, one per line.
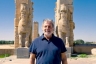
[
  {"x": 35, "y": 30},
  {"x": 55, "y": 9},
  {"x": 70, "y": 26},
  {"x": 67, "y": 28},
  {"x": 16, "y": 44},
  {"x": 17, "y": 18},
  {"x": 57, "y": 16},
  {"x": 31, "y": 19}
]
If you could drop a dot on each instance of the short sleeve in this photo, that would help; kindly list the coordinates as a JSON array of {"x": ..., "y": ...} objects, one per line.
[
  {"x": 63, "y": 48},
  {"x": 32, "y": 48}
]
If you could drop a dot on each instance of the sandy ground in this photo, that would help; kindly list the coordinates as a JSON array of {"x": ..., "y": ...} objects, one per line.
[
  {"x": 7, "y": 46},
  {"x": 14, "y": 60}
]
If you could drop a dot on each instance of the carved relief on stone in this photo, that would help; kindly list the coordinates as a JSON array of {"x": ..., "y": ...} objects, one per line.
[
  {"x": 73, "y": 25},
  {"x": 62, "y": 23},
  {"x": 24, "y": 26},
  {"x": 67, "y": 41}
]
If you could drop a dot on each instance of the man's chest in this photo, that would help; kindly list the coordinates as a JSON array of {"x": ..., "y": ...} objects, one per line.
[{"x": 48, "y": 47}]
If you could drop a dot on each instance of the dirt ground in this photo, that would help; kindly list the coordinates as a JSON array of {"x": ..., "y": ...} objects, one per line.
[{"x": 13, "y": 60}]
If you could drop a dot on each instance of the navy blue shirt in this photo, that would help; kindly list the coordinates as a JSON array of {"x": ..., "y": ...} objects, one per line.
[{"x": 47, "y": 51}]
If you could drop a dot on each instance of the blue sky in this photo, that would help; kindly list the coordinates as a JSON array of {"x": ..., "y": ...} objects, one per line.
[{"x": 84, "y": 16}]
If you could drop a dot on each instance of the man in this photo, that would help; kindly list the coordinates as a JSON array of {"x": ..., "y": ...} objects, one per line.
[{"x": 48, "y": 49}]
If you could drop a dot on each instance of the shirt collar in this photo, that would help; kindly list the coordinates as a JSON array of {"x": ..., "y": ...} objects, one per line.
[{"x": 42, "y": 37}]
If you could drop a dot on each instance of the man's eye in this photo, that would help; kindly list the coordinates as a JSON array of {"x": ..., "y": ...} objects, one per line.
[{"x": 45, "y": 26}]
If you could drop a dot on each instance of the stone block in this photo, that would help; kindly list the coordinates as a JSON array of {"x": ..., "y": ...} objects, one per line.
[
  {"x": 68, "y": 55},
  {"x": 22, "y": 52},
  {"x": 93, "y": 51},
  {"x": 69, "y": 51}
]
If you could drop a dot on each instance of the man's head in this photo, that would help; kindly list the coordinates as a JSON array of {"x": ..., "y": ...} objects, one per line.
[{"x": 48, "y": 27}]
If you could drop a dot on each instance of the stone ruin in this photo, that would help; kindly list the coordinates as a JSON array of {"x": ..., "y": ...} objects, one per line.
[
  {"x": 26, "y": 30},
  {"x": 64, "y": 24},
  {"x": 23, "y": 23},
  {"x": 35, "y": 30}
]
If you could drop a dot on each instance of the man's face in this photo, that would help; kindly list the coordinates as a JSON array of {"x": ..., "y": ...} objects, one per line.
[{"x": 47, "y": 28}]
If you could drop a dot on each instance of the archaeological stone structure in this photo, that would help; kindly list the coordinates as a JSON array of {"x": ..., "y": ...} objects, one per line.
[
  {"x": 23, "y": 23},
  {"x": 64, "y": 24},
  {"x": 35, "y": 33},
  {"x": 26, "y": 30}
]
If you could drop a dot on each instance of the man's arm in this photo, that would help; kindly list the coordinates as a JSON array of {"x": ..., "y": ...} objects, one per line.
[
  {"x": 64, "y": 58},
  {"x": 32, "y": 58}
]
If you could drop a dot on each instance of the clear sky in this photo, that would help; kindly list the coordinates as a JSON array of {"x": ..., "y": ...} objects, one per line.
[{"x": 84, "y": 16}]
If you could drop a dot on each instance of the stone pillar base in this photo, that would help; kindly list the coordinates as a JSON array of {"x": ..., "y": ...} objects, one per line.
[
  {"x": 69, "y": 51},
  {"x": 22, "y": 52},
  {"x": 93, "y": 51}
]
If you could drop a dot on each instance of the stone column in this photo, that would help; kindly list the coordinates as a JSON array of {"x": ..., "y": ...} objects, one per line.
[
  {"x": 35, "y": 30},
  {"x": 69, "y": 35},
  {"x": 31, "y": 19},
  {"x": 55, "y": 9},
  {"x": 17, "y": 18},
  {"x": 57, "y": 16},
  {"x": 70, "y": 27},
  {"x": 16, "y": 44}
]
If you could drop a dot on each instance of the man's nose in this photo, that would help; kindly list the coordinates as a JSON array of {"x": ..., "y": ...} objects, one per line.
[{"x": 47, "y": 27}]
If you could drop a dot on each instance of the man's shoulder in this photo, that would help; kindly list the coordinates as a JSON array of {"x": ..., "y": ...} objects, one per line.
[
  {"x": 37, "y": 39},
  {"x": 57, "y": 38}
]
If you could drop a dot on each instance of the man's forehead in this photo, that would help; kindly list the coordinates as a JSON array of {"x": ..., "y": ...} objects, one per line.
[{"x": 47, "y": 22}]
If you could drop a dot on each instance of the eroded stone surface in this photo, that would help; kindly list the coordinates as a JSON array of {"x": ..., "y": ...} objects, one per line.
[
  {"x": 93, "y": 51},
  {"x": 65, "y": 23},
  {"x": 23, "y": 23}
]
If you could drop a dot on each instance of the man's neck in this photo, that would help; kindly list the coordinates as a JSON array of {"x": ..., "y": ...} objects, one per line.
[{"x": 47, "y": 37}]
